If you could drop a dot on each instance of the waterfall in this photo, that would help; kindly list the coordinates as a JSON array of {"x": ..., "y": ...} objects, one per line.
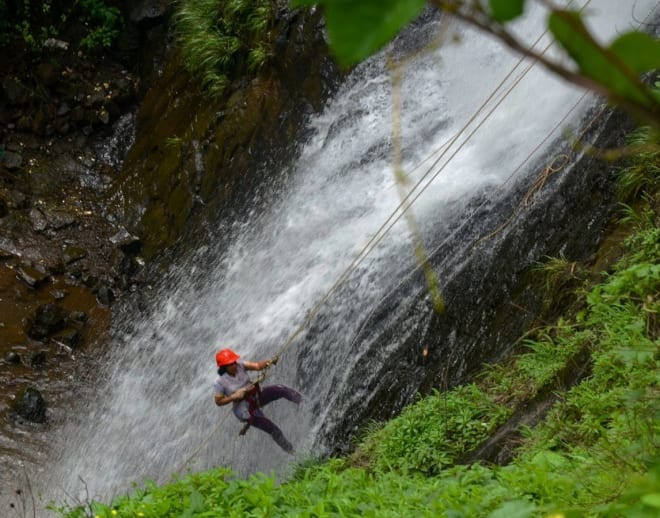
[{"x": 151, "y": 411}]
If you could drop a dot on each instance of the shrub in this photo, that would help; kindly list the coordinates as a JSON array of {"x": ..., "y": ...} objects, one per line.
[{"x": 219, "y": 37}]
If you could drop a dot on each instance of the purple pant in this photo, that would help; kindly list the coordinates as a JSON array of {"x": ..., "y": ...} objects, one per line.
[{"x": 259, "y": 420}]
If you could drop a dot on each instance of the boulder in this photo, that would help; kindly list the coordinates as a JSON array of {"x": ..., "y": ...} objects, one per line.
[
  {"x": 126, "y": 242},
  {"x": 147, "y": 10},
  {"x": 15, "y": 91},
  {"x": 105, "y": 296},
  {"x": 48, "y": 319},
  {"x": 11, "y": 159},
  {"x": 30, "y": 405},
  {"x": 31, "y": 276},
  {"x": 48, "y": 73},
  {"x": 78, "y": 317},
  {"x": 73, "y": 254},
  {"x": 12, "y": 358},
  {"x": 69, "y": 338},
  {"x": 17, "y": 200},
  {"x": 39, "y": 221},
  {"x": 38, "y": 359}
]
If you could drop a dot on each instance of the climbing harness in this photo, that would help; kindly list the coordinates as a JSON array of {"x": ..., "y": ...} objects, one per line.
[{"x": 252, "y": 398}]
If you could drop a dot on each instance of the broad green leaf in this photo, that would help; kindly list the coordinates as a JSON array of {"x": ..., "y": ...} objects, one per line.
[
  {"x": 196, "y": 501},
  {"x": 630, "y": 356},
  {"x": 505, "y": 10},
  {"x": 549, "y": 460},
  {"x": 639, "y": 50},
  {"x": 652, "y": 500},
  {"x": 358, "y": 28},
  {"x": 594, "y": 61},
  {"x": 515, "y": 509},
  {"x": 569, "y": 30}
]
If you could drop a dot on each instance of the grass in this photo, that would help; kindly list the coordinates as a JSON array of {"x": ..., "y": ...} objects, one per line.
[
  {"x": 220, "y": 37},
  {"x": 596, "y": 453}
]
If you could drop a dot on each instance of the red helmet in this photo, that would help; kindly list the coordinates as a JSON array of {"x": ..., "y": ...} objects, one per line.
[{"x": 226, "y": 357}]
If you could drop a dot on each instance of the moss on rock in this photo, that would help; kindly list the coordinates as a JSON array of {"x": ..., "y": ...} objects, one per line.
[{"x": 190, "y": 146}]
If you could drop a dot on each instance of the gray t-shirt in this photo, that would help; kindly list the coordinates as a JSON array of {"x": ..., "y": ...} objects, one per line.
[{"x": 227, "y": 385}]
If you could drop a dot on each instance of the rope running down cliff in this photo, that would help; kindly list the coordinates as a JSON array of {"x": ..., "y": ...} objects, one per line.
[{"x": 405, "y": 205}]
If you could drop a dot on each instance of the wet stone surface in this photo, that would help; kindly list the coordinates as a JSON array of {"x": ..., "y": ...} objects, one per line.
[{"x": 60, "y": 271}]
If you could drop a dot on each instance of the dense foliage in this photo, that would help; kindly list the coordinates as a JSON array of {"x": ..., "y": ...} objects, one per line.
[
  {"x": 87, "y": 24},
  {"x": 595, "y": 454}
]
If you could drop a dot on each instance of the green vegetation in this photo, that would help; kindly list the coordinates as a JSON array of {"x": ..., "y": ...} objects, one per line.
[
  {"x": 219, "y": 37},
  {"x": 104, "y": 22},
  {"x": 433, "y": 434},
  {"x": 95, "y": 23},
  {"x": 594, "y": 454}
]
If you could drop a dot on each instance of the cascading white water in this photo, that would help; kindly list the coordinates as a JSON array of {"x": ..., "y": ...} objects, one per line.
[{"x": 153, "y": 410}]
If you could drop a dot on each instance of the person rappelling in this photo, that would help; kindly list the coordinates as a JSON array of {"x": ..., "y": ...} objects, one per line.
[{"x": 233, "y": 385}]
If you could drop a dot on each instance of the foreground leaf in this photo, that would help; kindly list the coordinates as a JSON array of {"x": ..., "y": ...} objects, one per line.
[
  {"x": 639, "y": 50},
  {"x": 358, "y": 28},
  {"x": 506, "y": 10},
  {"x": 606, "y": 66}
]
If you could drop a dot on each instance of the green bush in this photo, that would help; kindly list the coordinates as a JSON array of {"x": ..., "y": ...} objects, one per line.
[
  {"x": 435, "y": 432},
  {"x": 33, "y": 23},
  {"x": 104, "y": 24},
  {"x": 219, "y": 37}
]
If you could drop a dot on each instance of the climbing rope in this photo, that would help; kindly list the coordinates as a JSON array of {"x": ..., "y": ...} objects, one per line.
[
  {"x": 467, "y": 139},
  {"x": 405, "y": 205},
  {"x": 410, "y": 198},
  {"x": 556, "y": 165}
]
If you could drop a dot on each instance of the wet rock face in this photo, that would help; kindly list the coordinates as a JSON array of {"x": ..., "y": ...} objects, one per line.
[
  {"x": 195, "y": 156},
  {"x": 76, "y": 221},
  {"x": 148, "y": 10},
  {"x": 57, "y": 110},
  {"x": 60, "y": 97},
  {"x": 491, "y": 293}
]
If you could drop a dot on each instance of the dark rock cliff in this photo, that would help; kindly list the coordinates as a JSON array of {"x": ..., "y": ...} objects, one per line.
[
  {"x": 193, "y": 152},
  {"x": 492, "y": 294}
]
